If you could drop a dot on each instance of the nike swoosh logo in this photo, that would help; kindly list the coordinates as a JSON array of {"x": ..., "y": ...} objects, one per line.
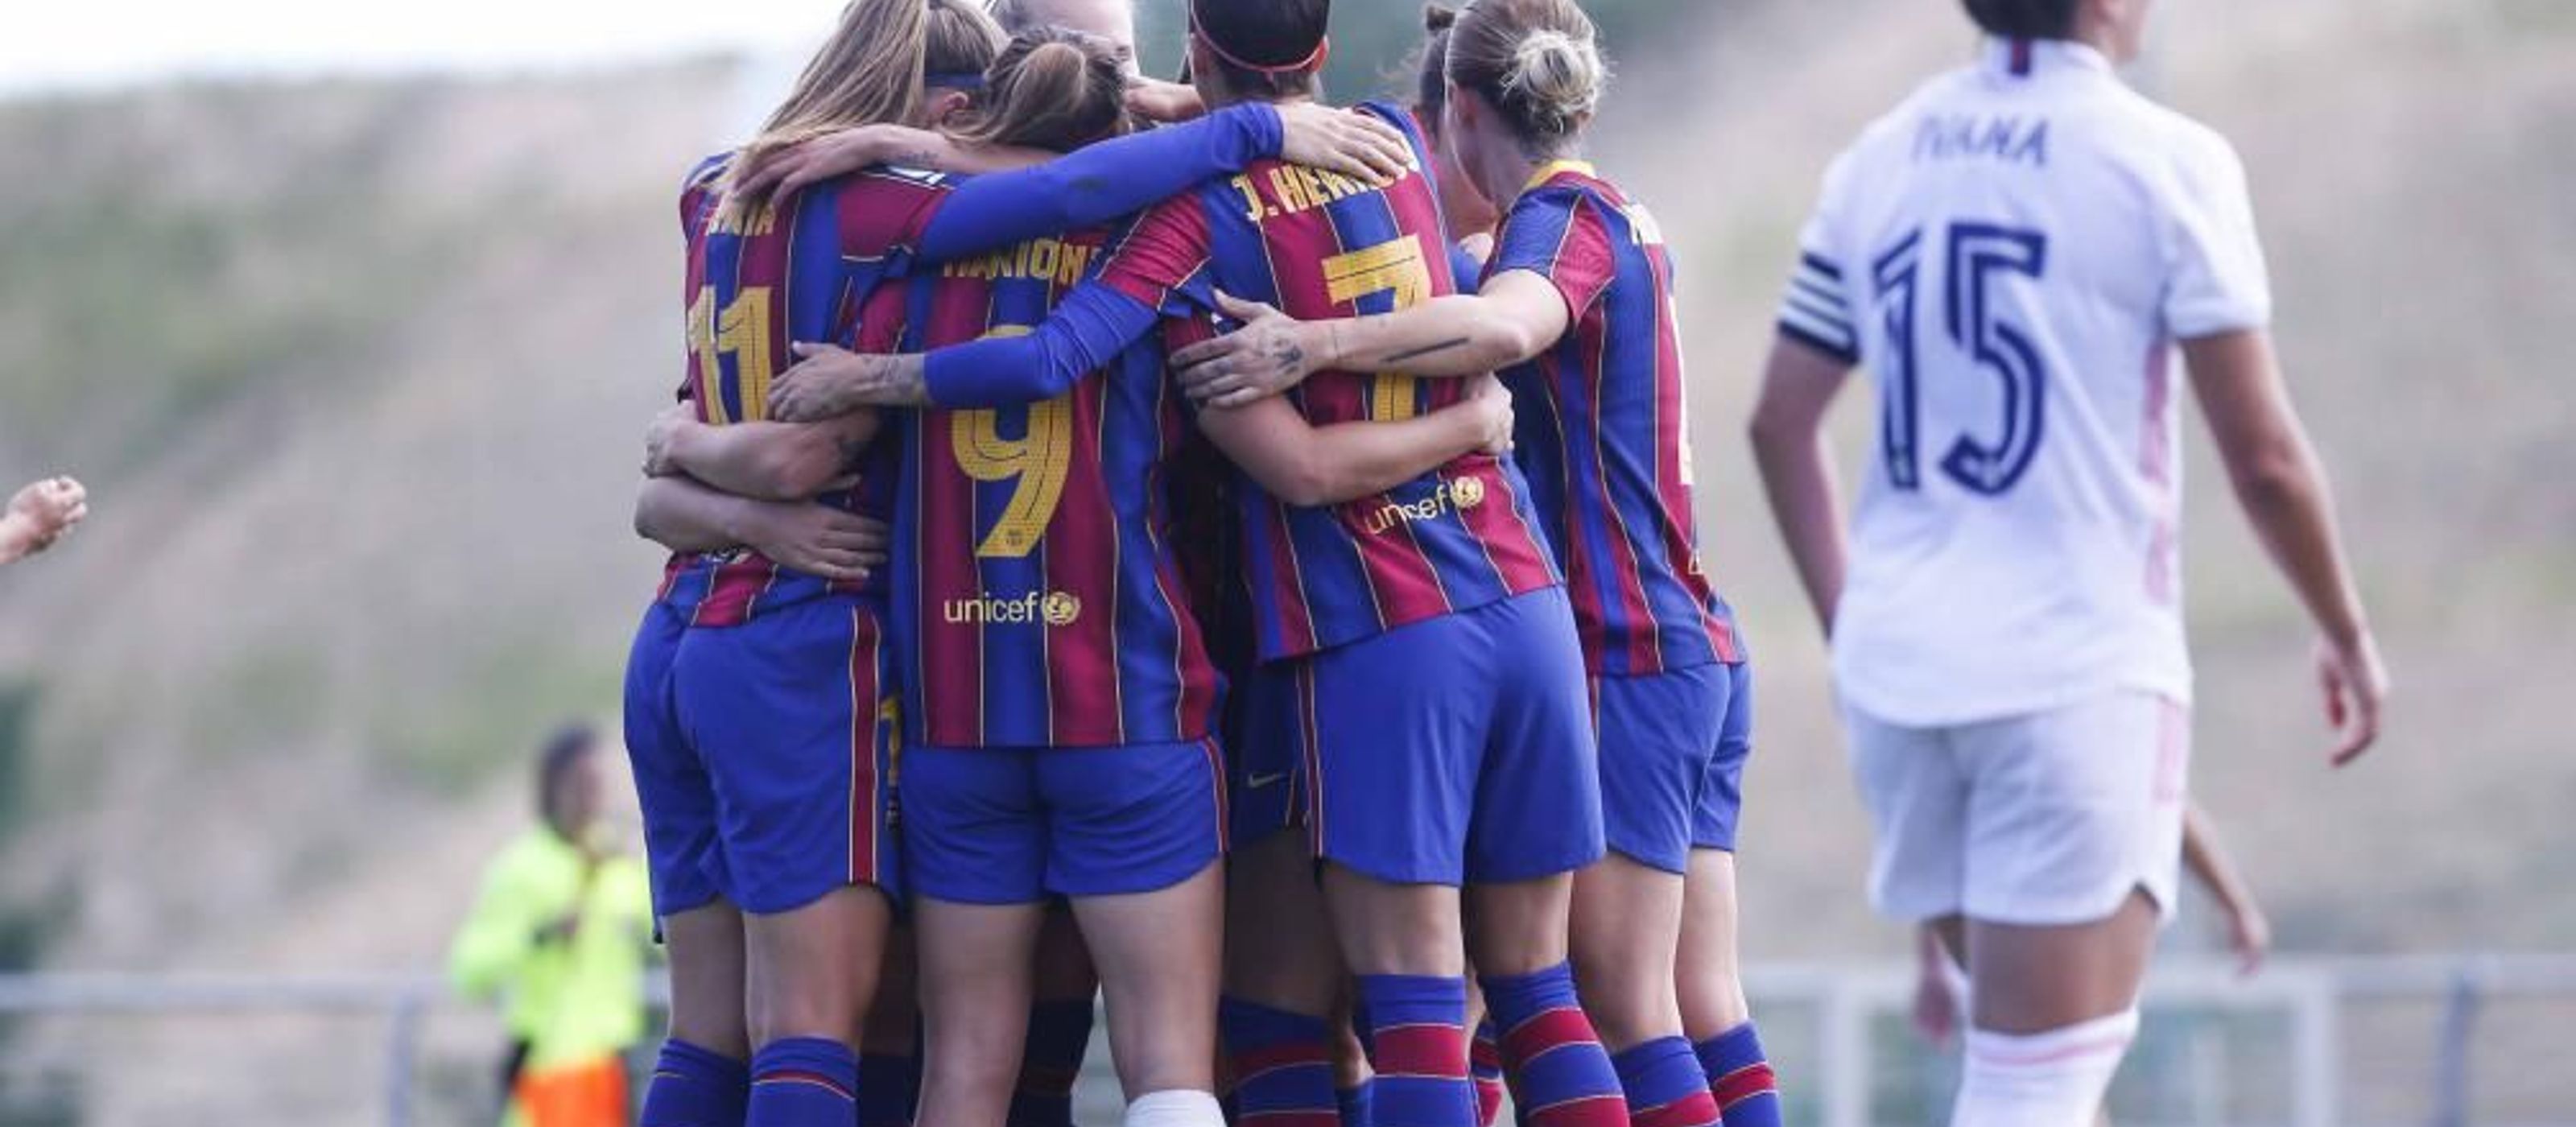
[{"x": 1256, "y": 782}]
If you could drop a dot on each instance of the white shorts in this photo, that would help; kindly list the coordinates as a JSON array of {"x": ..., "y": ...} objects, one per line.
[{"x": 2042, "y": 819}]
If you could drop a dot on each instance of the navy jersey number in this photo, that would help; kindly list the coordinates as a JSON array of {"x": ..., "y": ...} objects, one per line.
[{"x": 1978, "y": 258}]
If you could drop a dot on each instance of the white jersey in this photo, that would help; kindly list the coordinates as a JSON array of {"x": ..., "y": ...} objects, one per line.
[{"x": 2013, "y": 252}]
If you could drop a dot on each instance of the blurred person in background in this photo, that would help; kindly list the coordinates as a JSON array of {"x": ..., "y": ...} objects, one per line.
[
  {"x": 559, "y": 935},
  {"x": 40, "y": 514},
  {"x": 2018, "y": 252}
]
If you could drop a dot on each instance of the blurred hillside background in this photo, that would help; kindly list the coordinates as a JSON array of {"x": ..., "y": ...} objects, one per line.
[{"x": 355, "y": 369}]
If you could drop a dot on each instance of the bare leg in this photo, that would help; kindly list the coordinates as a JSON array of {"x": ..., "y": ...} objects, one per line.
[
  {"x": 1520, "y": 927},
  {"x": 812, "y": 971},
  {"x": 1279, "y": 944},
  {"x": 975, "y": 989},
  {"x": 892, "y": 1027},
  {"x": 1708, "y": 975},
  {"x": 2053, "y": 1013},
  {"x": 1063, "y": 968},
  {"x": 1627, "y": 929},
  {"x": 1160, "y": 956},
  {"x": 1390, "y": 928},
  {"x": 2034, "y": 979},
  {"x": 706, "y": 949}
]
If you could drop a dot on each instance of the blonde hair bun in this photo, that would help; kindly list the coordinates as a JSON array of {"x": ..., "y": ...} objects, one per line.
[{"x": 1559, "y": 76}]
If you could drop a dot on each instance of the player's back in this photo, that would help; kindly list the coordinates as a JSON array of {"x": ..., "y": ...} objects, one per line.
[
  {"x": 1319, "y": 245},
  {"x": 2013, "y": 252},
  {"x": 760, "y": 277},
  {"x": 1037, "y": 583},
  {"x": 1603, "y": 427}
]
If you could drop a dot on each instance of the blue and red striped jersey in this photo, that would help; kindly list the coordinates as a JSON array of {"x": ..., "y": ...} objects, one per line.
[
  {"x": 1320, "y": 245},
  {"x": 792, "y": 270},
  {"x": 1038, "y": 600},
  {"x": 1208, "y": 537},
  {"x": 1604, "y": 430}
]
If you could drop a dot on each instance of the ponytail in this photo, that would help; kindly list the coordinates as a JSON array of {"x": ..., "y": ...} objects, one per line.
[{"x": 1052, "y": 89}]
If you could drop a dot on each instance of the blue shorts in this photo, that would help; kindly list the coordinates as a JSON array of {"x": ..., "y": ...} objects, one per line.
[
  {"x": 671, "y": 786},
  {"x": 1015, "y": 825},
  {"x": 1672, "y": 761},
  {"x": 1453, "y": 750},
  {"x": 790, "y": 716},
  {"x": 1265, "y": 792}
]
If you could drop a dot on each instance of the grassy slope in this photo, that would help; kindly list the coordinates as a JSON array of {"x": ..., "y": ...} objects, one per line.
[{"x": 363, "y": 460}]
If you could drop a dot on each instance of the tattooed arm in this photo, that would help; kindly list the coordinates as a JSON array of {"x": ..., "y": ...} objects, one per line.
[
  {"x": 1306, "y": 465},
  {"x": 1517, "y": 315},
  {"x": 763, "y": 460}
]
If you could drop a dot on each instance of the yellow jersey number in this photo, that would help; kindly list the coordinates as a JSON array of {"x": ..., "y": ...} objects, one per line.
[
  {"x": 1039, "y": 460},
  {"x": 1397, "y": 268},
  {"x": 741, "y": 328}
]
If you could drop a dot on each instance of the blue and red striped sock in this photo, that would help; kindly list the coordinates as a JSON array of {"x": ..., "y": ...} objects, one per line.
[
  {"x": 1059, "y": 1035},
  {"x": 889, "y": 1089},
  {"x": 1665, "y": 1085},
  {"x": 1560, "y": 1072},
  {"x": 803, "y": 1082},
  {"x": 1740, "y": 1077},
  {"x": 1485, "y": 1067},
  {"x": 1417, "y": 1036},
  {"x": 1283, "y": 1066},
  {"x": 1356, "y": 1104},
  {"x": 694, "y": 1087}
]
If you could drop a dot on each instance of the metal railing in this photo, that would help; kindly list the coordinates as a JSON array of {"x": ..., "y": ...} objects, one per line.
[{"x": 1836, "y": 1029}]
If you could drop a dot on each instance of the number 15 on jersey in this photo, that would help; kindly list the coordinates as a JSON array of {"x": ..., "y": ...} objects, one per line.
[{"x": 1978, "y": 261}]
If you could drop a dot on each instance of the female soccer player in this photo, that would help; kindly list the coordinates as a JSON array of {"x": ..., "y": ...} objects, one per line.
[
  {"x": 769, "y": 662},
  {"x": 2016, "y": 251},
  {"x": 1577, "y": 302},
  {"x": 1471, "y": 216},
  {"x": 1441, "y": 688}
]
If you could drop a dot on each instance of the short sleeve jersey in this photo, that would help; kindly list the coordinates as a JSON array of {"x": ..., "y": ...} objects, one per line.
[
  {"x": 2014, "y": 253},
  {"x": 784, "y": 270},
  {"x": 1604, "y": 427},
  {"x": 1039, "y": 601},
  {"x": 1319, "y": 245}
]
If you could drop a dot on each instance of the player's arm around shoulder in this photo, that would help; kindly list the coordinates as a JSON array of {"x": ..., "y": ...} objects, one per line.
[
  {"x": 1309, "y": 466},
  {"x": 1514, "y": 317},
  {"x": 765, "y": 460}
]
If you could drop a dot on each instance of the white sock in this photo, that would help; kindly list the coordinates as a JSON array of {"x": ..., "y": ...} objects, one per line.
[
  {"x": 1175, "y": 1107},
  {"x": 2051, "y": 1079}
]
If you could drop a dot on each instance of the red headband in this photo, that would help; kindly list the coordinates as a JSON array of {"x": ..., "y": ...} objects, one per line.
[{"x": 1314, "y": 60}]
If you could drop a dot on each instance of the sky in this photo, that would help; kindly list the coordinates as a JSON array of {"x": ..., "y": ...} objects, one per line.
[{"x": 59, "y": 44}]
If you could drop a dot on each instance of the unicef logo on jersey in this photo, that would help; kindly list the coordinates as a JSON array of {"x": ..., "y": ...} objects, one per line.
[
  {"x": 1060, "y": 608},
  {"x": 1452, "y": 495},
  {"x": 1054, "y": 608}
]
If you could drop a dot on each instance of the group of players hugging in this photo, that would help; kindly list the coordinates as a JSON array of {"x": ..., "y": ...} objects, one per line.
[{"x": 1190, "y": 545}]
